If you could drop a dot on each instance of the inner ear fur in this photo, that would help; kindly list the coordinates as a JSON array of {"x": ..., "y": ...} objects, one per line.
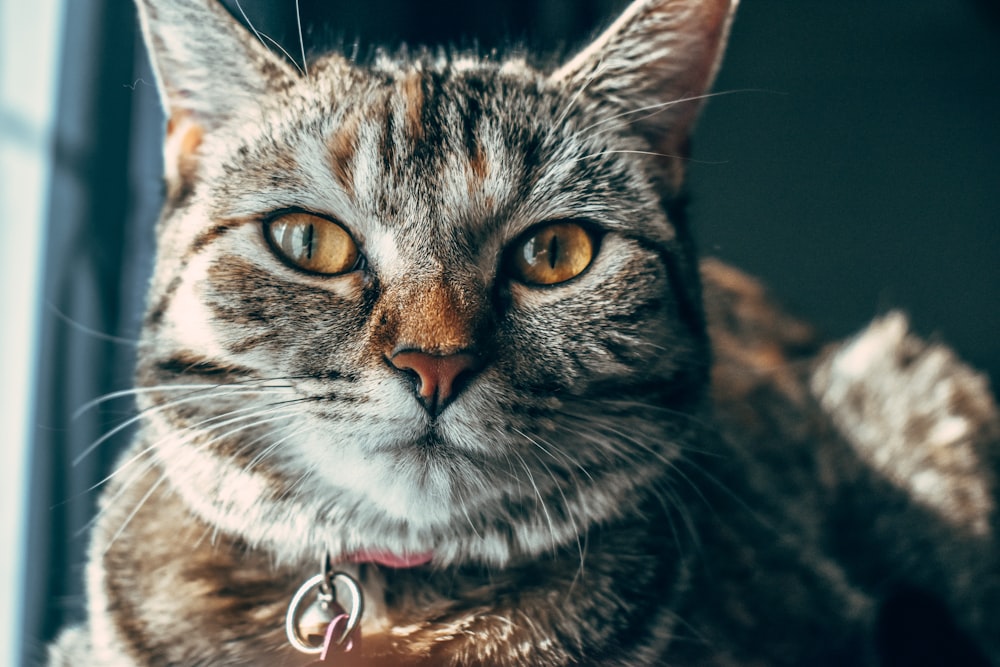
[{"x": 183, "y": 137}]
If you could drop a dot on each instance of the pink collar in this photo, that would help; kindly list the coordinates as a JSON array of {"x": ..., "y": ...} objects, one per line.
[{"x": 388, "y": 559}]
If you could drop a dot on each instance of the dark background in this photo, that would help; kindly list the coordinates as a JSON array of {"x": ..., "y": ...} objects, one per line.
[{"x": 852, "y": 167}]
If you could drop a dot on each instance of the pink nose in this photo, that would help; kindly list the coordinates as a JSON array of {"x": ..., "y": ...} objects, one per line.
[{"x": 439, "y": 377}]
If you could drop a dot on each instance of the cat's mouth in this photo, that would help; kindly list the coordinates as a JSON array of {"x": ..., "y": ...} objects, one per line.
[{"x": 422, "y": 442}]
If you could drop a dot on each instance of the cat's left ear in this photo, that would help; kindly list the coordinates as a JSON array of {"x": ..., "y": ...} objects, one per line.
[
  {"x": 654, "y": 66},
  {"x": 209, "y": 71}
]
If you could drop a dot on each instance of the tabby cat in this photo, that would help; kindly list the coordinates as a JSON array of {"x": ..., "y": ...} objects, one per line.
[{"x": 427, "y": 343}]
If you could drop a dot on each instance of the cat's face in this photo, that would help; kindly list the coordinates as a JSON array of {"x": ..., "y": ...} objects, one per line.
[{"x": 437, "y": 307}]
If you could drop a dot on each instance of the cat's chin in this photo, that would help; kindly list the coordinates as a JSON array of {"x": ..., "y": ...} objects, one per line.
[
  {"x": 410, "y": 500},
  {"x": 399, "y": 497}
]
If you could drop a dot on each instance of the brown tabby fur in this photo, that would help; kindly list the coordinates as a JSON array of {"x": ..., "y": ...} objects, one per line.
[{"x": 653, "y": 465}]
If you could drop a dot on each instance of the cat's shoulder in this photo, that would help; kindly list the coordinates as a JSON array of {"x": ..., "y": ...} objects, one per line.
[{"x": 755, "y": 343}]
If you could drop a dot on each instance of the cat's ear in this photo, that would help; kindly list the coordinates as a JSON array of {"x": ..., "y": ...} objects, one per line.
[
  {"x": 653, "y": 66},
  {"x": 209, "y": 69}
]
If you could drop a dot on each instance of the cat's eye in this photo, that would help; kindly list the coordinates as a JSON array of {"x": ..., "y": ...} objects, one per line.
[
  {"x": 551, "y": 254},
  {"x": 313, "y": 243}
]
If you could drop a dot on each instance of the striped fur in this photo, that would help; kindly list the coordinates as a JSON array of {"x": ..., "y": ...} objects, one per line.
[{"x": 578, "y": 493}]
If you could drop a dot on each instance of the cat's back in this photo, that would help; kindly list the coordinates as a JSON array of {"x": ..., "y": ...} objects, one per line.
[{"x": 862, "y": 471}]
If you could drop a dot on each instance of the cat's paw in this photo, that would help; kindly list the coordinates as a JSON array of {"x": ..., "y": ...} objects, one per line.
[{"x": 919, "y": 416}]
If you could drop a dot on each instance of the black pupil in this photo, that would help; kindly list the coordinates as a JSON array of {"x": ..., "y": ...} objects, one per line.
[
  {"x": 307, "y": 241},
  {"x": 553, "y": 251}
]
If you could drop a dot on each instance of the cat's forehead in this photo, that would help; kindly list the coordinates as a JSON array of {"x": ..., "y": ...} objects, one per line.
[{"x": 454, "y": 143}]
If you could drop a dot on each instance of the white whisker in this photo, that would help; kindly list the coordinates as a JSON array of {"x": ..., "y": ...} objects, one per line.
[
  {"x": 286, "y": 53},
  {"x": 660, "y": 486},
  {"x": 675, "y": 465},
  {"x": 465, "y": 511},
  {"x": 565, "y": 457},
  {"x": 653, "y": 153},
  {"x": 83, "y": 328},
  {"x": 262, "y": 36},
  {"x": 109, "y": 502},
  {"x": 559, "y": 488},
  {"x": 250, "y": 24},
  {"x": 135, "y": 391},
  {"x": 194, "y": 432},
  {"x": 282, "y": 409},
  {"x": 122, "y": 467},
  {"x": 149, "y": 411},
  {"x": 267, "y": 451},
  {"x": 569, "y": 105},
  {"x": 541, "y": 501},
  {"x": 135, "y": 510},
  {"x": 302, "y": 41},
  {"x": 660, "y": 107}
]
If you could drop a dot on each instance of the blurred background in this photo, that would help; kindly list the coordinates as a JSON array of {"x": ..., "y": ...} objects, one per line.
[{"x": 852, "y": 166}]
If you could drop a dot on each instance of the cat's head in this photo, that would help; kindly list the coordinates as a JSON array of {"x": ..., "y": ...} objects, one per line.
[{"x": 440, "y": 305}]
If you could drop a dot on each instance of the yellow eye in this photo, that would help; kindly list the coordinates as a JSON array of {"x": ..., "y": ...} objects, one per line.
[
  {"x": 552, "y": 254},
  {"x": 313, "y": 243}
]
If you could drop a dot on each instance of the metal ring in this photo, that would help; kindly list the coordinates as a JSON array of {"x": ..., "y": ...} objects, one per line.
[{"x": 317, "y": 581}]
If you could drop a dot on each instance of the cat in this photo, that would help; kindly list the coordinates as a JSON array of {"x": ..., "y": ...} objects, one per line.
[{"x": 432, "y": 333}]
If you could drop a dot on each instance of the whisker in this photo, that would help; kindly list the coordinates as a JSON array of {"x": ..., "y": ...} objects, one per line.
[
  {"x": 282, "y": 408},
  {"x": 262, "y": 36},
  {"x": 660, "y": 107},
  {"x": 669, "y": 414},
  {"x": 567, "y": 459},
  {"x": 513, "y": 471},
  {"x": 122, "y": 467},
  {"x": 261, "y": 455},
  {"x": 134, "y": 512},
  {"x": 559, "y": 488},
  {"x": 302, "y": 41},
  {"x": 128, "y": 422},
  {"x": 194, "y": 433},
  {"x": 621, "y": 437},
  {"x": 250, "y": 24},
  {"x": 541, "y": 501},
  {"x": 228, "y": 434},
  {"x": 465, "y": 511},
  {"x": 682, "y": 511},
  {"x": 728, "y": 492},
  {"x": 572, "y": 102},
  {"x": 661, "y": 489},
  {"x": 109, "y": 502},
  {"x": 194, "y": 388},
  {"x": 676, "y": 466},
  {"x": 145, "y": 413},
  {"x": 670, "y": 463},
  {"x": 267, "y": 451},
  {"x": 227, "y": 418},
  {"x": 286, "y": 53},
  {"x": 653, "y": 153},
  {"x": 83, "y": 328}
]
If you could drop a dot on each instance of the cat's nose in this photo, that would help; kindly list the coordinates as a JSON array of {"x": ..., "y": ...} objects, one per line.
[{"x": 439, "y": 378}]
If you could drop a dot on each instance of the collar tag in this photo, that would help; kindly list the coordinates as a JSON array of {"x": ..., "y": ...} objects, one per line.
[
  {"x": 331, "y": 649},
  {"x": 324, "y": 626}
]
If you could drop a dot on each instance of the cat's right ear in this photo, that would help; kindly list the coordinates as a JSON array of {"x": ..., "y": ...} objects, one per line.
[{"x": 209, "y": 70}]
